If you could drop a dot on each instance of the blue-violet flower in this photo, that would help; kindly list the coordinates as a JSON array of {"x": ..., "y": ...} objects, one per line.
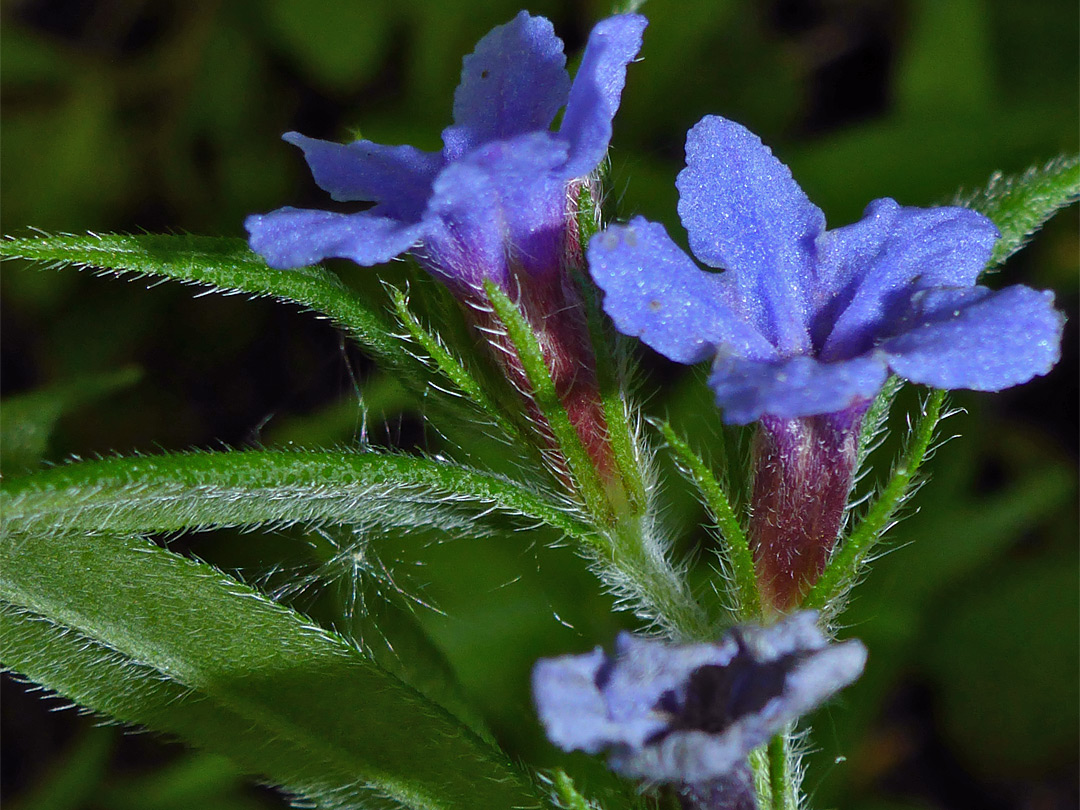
[
  {"x": 806, "y": 321},
  {"x": 804, "y": 325},
  {"x": 499, "y": 203},
  {"x": 495, "y": 202},
  {"x": 689, "y": 715}
]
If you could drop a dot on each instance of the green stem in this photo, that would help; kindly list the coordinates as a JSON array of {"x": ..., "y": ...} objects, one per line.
[
  {"x": 642, "y": 571},
  {"x": 780, "y": 787},
  {"x": 620, "y": 430},
  {"x": 547, "y": 399},
  {"x": 846, "y": 562},
  {"x": 748, "y": 600}
]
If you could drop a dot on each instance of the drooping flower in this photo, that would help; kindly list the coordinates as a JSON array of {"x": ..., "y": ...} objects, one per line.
[
  {"x": 689, "y": 715},
  {"x": 806, "y": 321},
  {"x": 804, "y": 325},
  {"x": 495, "y": 203}
]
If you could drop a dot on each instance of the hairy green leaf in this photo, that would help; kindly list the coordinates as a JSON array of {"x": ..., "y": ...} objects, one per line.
[
  {"x": 453, "y": 368},
  {"x": 547, "y": 399},
  {"x": 1020, "y": 204},
  {"x": 225, "y": 264},
  {"x": 146, "y": 636},
  {"x": 167, "y": 493},
  {"x": 737, "y": 549},
  {"x": 611, "y": 375}
]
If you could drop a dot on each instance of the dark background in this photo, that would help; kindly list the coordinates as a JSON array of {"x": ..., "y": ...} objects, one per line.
[{"x": 165, "y": 116}]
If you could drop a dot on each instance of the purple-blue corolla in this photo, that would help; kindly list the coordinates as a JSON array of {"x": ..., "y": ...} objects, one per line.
[
  {"x": 498, "y": 201},
  {"x": 690, "y": 714},
  {"x": 806, "y": 321}
]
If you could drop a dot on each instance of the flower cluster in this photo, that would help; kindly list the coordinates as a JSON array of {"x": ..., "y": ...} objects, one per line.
[
  {"x": 806, "y": 321},
  {"x": 690, "y": 714},
  {"x": 802, "y": 325},
  {"x": 496, "y": 202}
]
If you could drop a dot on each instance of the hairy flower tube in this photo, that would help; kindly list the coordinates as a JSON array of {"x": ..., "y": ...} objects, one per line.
[
  {"x": 689, "y": 715},
  {"x": 498, "y": 204},
  {"x": 804, "y": 325}
]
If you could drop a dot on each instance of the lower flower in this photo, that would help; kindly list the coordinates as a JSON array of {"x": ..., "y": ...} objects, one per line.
[{"x": 689, "y": 715}]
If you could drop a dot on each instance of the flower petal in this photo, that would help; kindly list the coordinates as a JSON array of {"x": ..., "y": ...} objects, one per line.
[
  {"x": 870, "y": 269},
  {"x": 978, "y": 338},
  {"x": 294, "y": 237},
  {"x": 654, "y": 291},
  {"x": 597, "y": 88},
  {"x": 745, "y": 213},
  {"x": 797, "y": 386},
  {"x": 499, "y": 209},
  {"x": 571, "y": 708},
  {"x": 515, "y": 81},
  {"x": 645, "y": 672},
  {"x": 592, "y": 702},
  {"x": 397, "y": 177}
]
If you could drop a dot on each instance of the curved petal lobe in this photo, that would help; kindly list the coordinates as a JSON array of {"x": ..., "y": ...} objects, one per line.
[
  {"x": 870, "y": 269},
  {"x": 513, "y": 82},
  {"x": 572, "y": 710},
  {"x": 586, "y": 703},
  {"x": 654, "y": 291},
  {"x": 499, "y": 209},
  {"x": 598, "y": 85},
  {"x": 797, "y": 386},
  {"x": 978, "y": 338},
  {"x": 745, "y": 213},
  {"x": 294, "y": 237},
  {"x": 397, "y": 177}
]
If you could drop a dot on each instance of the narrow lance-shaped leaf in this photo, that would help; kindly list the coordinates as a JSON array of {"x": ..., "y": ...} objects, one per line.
[
  {"x": 737, "y": 549},
  {"x": 622, "y": 436},
  {"x": 167, "y": 493},
  {"x": 872, "y": 432},
  {"x": 1020, "y": 204},
  {"x": 547, "y": 399},
  {"x": 227, "y": 265},
  {"x": 453, "y": 369},
  {"x": 138, "y": 633}
]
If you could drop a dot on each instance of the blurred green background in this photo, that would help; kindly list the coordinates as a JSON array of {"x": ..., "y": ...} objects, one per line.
[{"x": 165, "y": 116}]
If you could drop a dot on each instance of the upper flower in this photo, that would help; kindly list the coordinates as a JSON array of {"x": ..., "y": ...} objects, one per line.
[
  {"x": 690, "y": 714},
  {"x": 494, "y": 200},
  {"x": 806, "y": 321}
]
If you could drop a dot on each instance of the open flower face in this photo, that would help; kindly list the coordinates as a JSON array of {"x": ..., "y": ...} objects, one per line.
[
  {"x": 806, "y": 321},
  {"x": 690, "y": 714},
  {"x": 496, "y": 200}
]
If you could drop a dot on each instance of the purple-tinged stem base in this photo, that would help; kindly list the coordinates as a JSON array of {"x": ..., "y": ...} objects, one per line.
[
  {"x": 734, "y": 792},
  {"x": 803, "y": 471}
]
